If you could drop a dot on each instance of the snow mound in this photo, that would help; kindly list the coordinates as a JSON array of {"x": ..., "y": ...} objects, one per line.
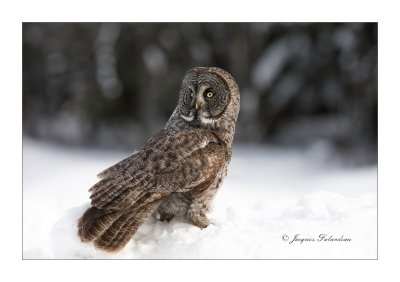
[{"x": 277, "y": 208}]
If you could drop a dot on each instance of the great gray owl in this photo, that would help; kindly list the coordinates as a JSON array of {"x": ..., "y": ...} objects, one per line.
[{"x": 177, "y": 172}]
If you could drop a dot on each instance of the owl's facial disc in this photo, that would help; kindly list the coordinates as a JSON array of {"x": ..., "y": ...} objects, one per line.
[
  {"x": 198, "y": 111},
  {"x": 203, "y": 98}
]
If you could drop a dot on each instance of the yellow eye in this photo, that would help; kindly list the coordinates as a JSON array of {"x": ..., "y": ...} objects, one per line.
[{"x": 209, "y": 94}]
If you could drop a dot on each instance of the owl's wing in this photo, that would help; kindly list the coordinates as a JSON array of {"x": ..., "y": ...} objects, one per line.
[{"x": 172, "y": 161}]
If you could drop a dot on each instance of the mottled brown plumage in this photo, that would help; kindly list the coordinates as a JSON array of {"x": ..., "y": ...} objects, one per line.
[{"x": 177, "y": 172}]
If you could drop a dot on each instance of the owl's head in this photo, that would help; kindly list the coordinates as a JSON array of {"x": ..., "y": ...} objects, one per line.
[{"x": 209, "y": 97}]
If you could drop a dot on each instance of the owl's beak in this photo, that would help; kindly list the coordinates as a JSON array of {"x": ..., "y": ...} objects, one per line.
[{"x": 199, "y": 104}]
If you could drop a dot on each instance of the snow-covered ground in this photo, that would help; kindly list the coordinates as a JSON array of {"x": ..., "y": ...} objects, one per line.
[{"x": 270, "y": 196}]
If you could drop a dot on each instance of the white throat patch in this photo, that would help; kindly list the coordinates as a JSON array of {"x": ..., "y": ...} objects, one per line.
[{"x": 187, "y": 118}]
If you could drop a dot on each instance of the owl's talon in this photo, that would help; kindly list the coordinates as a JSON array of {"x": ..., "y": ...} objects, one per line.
[{"x": 198, "y": 219}]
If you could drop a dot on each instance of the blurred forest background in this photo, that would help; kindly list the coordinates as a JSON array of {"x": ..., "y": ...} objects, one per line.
[{"x": 113, "y": 85}]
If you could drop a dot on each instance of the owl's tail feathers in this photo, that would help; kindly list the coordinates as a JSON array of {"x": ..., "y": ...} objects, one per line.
[
  {"x": 94, "y": 222},
  {"x": 111, "y": 231}
]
